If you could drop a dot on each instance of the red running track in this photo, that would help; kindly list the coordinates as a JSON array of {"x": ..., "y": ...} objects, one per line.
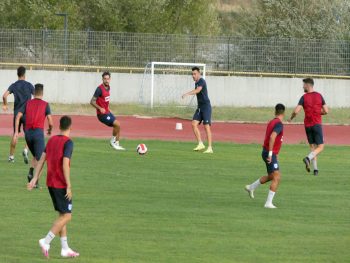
[{"x": 164, "y": 129}]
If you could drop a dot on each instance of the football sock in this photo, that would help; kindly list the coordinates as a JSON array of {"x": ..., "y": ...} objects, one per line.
[
  {"x": 31, "y": 171},
  {"x": 49, "y": 237},
  {"x": 12, "y": 157},
  {"x": 117, "y": 142},
  {"x": 270, "y": 197},
  {"x": 200, "y": 143},
  {"x": 314, "y": 164},
  {"x": 255, "y": 185},
  {"x": 64, "y": 243},
  {"x": 311, "y": 156},
  {"x": 113, "y": 139}
]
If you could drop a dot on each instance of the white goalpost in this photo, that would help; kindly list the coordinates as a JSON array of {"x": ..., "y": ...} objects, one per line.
[{"x": 163, "y": 83}]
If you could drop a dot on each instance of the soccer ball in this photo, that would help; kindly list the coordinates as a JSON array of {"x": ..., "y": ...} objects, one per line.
[{"x": 141, "y": 149}]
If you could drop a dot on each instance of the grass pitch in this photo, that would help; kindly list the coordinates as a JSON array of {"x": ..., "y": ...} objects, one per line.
[{"x": 174, "y": 205}]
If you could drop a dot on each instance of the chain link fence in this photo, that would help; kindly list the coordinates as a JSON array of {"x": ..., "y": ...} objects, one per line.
[{"x": 87, "y": 49}]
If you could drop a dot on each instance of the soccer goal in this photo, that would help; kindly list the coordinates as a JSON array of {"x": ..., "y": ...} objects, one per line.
[{"x": 163, "y": 84}]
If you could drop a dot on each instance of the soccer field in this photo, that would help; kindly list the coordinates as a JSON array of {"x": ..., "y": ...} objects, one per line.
[{"x": 174, "y": 205}]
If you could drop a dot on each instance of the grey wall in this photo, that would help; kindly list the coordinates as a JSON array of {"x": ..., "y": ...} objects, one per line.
[{"x": 78, "y": 87}]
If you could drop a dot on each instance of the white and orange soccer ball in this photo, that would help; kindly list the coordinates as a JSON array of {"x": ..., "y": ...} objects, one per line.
[{"x": 141, "y": 149}]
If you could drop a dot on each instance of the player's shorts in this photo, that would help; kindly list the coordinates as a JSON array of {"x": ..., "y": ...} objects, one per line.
[
  {"x": 107, "y": 119},
  {"x": 203, "y": 114},
  {"x": 21, "y": 123},
  {"x": 35, "y": 140},
  {"x": 59, "y": 200},
  {"x": 274, "y": 165},
  {"x": 314, "y": 134}
]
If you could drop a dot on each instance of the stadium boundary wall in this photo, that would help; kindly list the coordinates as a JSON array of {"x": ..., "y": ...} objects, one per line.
[{"x": 78, "y": 87}]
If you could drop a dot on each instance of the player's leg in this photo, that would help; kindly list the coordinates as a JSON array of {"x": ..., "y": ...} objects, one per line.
[
  {"x": 13, "y": 142},
  {"x": 275, "y": 178},
  {"x": 314, "y": 161},
  {"x": 38, "y": 147},
  {"x": 315, "y": 138},
  {"x": 196, "y": 120},
  {"x": 116, "y": 135},
  {"x": 207, "y": 126},
  {"x": 66, "y": 251}
]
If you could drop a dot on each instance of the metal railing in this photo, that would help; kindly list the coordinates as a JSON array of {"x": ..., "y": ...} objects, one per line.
[{"x": 89, "y": 50}]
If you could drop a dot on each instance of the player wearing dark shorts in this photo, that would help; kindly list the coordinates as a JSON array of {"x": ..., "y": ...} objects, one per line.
[
  {"x": 271, "y": 148},
  {"x": 34, "y": 114},
  {"x": 203, "y": 111},
  {"x": 100, "y": 101},
  {"x": 22, "y": 91},
  {"x": 314, "y": 107},
  {"x": 58, "y": 154}
]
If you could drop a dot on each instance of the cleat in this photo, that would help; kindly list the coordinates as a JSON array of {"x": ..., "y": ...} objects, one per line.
[
  {"x": 209, "y": 150},
  {"x": 315, "y": 172},
  {"x": 250, "y": 192},
  {"x": 199, "y": 147},
  {"x": 270, "y": 206},
  {"x": 11, "y": 159},
  {"x": 69, "y": 253},
  {"x": 25, "y": 156},
  {"x": 117, "y": 147},
  {"x": 306, "y": 161},
  {"x": 44, "y": 247}
]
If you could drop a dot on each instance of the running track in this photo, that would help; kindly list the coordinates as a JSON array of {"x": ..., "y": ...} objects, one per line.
[{"x": 164, "y": 129}]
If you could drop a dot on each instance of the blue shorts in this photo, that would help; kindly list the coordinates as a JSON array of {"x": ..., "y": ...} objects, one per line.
[
  {"x": 274, "y": 165},
  {"x": 107, "y": 119},
  {"x": 203, "y": 114},
  {"x": 36, "y": 142},
  {"x": 59, "y": 200},
  {"x": 314, "y": 134},
  {"x": 21, "y": 123}
]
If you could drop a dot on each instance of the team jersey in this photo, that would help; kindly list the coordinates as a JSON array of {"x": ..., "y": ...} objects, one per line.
[
  {"x": 57, "y": 147},
  {"x": 274, "y": 125},
  {"x": 312, "y": 103},
  {"x": 22, "y": 91},
  {"x": 202, "y": 96},
  {"x": 103, "y": 95},
  {"x": 35, "y": 113}
]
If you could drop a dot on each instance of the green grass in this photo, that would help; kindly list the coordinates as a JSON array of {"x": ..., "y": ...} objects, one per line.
[{"x": 173, "y": 205}]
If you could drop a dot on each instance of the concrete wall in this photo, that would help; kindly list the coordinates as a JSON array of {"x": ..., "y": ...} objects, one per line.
[{"x": 78, "y": 87}]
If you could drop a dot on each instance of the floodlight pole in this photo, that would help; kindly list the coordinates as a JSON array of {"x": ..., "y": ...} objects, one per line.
[{"x": 65, "y": 15}]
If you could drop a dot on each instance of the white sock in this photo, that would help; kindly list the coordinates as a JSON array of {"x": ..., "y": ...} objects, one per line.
[
  {"x": 113, "y": 139},
  {"x": 117, "y": 142},
  {"x": 49, "y": 237},
  {"x": 25, "y": 150},
  {"x": 311, "y": 156},
  {"x": 200, "y": 143},
  {"x": 255, "y": 185},
  {"x": 270, "y": 197},
  {"x": 314, "y": 164},
  {"x": 12, "y": 156},
  {"x": 64, "y": 243}
]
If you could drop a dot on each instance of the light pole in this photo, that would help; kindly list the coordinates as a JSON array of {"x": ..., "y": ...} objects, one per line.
[{"x": 65, "y": 15}]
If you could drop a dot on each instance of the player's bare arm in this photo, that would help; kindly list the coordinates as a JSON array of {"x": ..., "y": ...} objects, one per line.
[
  {"x": 94, "y": 104},
  {"x": 37, "y": 172},
  {"x": 295, "y": 112},
  {"x": 66, "y": 173},
  {"x": 4, "y": 100},
  {"x": 50, "y": 122},
  {"x": 271, "y": 143},
  {"x": 18, "y": 117},
  {"x": 324, "y": 110},
  {"x": 192, "y": 92}
]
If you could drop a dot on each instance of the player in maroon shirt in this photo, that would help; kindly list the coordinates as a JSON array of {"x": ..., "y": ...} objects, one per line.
[
  {"x": 34, "y": 114},
  {"x": 57, "y": 154},
  {"x": 314, "y": 107},
  {"x": 272, "y": 145},
  {"x": 100, "y": 101}
]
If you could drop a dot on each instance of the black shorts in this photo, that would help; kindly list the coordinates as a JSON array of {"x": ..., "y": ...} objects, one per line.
[
  {"x": 203, "y": 114},
  {"x": 314, "y": 134},
  {"x": 274, "y": 165},
  {"x": 35, "y": 140},
  {"x": 59, "y": 200},
  {"x": 107, "y": 119},
  {"x": 21, "y": 123}
]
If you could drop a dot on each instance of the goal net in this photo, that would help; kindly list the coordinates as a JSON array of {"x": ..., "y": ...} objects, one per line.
[{"x": 164, "y": 83}]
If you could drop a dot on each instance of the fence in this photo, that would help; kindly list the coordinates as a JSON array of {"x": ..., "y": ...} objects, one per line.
[{"x": 91, "y": 50}]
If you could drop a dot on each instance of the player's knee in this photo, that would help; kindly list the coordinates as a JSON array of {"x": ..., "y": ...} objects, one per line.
[
  {"x": 320, "y": 147},
  {"x": 116, "y": 124},
  {"x": 194, "y": 124},
  {"x": 67, "y": 216}
]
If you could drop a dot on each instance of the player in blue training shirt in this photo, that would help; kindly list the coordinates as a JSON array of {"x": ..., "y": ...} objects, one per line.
[
  {"x": 203, "y": 112},
  {"x": 22, "y": 91}
]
